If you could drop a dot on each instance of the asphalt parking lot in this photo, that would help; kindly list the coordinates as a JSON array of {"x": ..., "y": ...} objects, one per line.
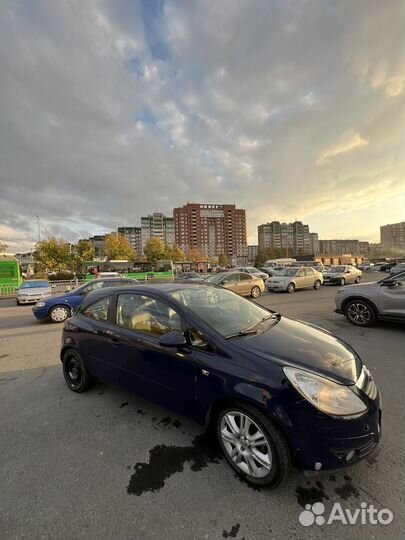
[{"x": 105, "y": 464}]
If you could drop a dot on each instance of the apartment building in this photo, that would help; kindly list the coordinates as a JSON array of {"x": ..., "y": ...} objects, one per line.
[
  {"x": 213, "y": 229},
  {"x": 133, "y": 234},
  {"x": 157, "y": 225},
  {"x": 294, "y": 237},
  {"x": 393, "y": 238}
]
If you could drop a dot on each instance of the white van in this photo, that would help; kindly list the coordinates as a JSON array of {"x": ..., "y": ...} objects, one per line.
[{"x": 272, "y": 263}]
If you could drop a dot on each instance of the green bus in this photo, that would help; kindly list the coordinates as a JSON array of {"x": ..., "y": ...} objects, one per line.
[
  {"x": 141, "y": 270},
  {"x": 10, "y": 274}
]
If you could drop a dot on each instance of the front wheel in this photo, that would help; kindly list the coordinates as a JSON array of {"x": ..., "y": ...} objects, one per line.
[
  {"x": 255, "y": 292},
  {"x": 59, "y": 314},
  {"x": 76, "y": 375},
  {"x": 253, "y": 446},
  {"x": 357, "y": 280},
  {"x": 291, "y": 287},
  {"x": 342, "y": 281},
  {"x": 360, "y": 313},
  {"x": 317, "y": 284}
]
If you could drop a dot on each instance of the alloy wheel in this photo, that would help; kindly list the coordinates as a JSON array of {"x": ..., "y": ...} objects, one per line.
[
  {"x": 246, "y": 444},
  {"x": 359, "y": 313},
  {"x": 255, "y": 292}
]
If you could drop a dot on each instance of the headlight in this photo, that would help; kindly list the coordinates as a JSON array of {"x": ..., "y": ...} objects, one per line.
[
  {"x": 40, "y": 304},
  {"x": 340, "y": 291},
  {"x": 325, "y": 395}
]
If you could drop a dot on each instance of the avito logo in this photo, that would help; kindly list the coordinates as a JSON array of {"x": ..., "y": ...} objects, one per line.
[{"x": 366, "y": 514}]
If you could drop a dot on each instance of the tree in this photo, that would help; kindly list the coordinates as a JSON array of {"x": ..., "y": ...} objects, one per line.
[
  {"x": 155, "y": 249},
  {"x": 175, "y": 253},
  {"x": 83, "y": 251},
  {"x": 3, "y": 246},
  {"x": 269, "y": 253},
  {"x": 223, "y": 260},
  {"x": 118, "y": 246},
  {"x": 52, "y": 254},
  {"x": 194, "y": 255}
]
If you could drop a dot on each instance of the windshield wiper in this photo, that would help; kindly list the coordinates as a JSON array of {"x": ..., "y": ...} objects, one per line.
[{"x": 252, "y": 329}]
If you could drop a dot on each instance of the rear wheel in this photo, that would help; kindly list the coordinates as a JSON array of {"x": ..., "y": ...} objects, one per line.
[
  {"x": 360, "y": 313},
  {"x": 317, "y": 284},
  {"x": 253, "y": 446},
  {"x": 255, "y": 292},
  {"x": 291, "y": 287},
  {"x": 76, "y": 375},
  {"x": 59, "y": 314}
]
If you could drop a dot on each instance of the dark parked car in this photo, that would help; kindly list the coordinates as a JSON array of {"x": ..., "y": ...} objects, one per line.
[
  {"x": 192, "y": 276},
  {"x": 58, "y": 308},
  {"x": 274, "y": 388}
]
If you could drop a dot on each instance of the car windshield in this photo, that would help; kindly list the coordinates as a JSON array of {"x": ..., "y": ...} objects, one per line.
[
  {"x": 216, "y": 278},
  {"x": 288, "y": 271},
  {"x": 336, "y": 269},
  {"x": 252, "y": 269},
  {"x": 226, "y": 312},
  {"x": 34, "y": 284}
]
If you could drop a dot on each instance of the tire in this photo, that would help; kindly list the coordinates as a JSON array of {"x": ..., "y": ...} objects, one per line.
[
  {"x": 19, "y": 303},
  {"x": 342, "y": 282},
  {"x": 266, "y": 465},
  {"x": 255, "y": 292},
  {"x": 317, "y": 285},
  {"x": 59, "y": 314},
  {"x": 357, "y": 280},
  {"x": 76, "y": 375},
  {"x": 360, "y": 313},
  {"x": 291, "y": 287}
]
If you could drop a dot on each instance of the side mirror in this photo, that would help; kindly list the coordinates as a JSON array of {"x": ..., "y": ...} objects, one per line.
[
  {"x": 347, "y": 272},
  {"x": 173, "y": 339},
  {"x": 390, "y": 283}
]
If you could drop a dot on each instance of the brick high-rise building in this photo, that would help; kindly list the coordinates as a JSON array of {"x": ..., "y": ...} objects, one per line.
[{"x": 213, "y": 229}]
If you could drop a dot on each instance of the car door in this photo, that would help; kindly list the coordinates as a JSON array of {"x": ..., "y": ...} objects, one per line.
[
  {"x": 245, "y": 284},
  {"x": 230, "y": 282},
  {"x": 165, "y": 375},
  {"x": 98, "y": 345},
  {"x": 391, "y": 298},
  {"x": 309, "y": 277},
  {"x": 300, "y": 278}
]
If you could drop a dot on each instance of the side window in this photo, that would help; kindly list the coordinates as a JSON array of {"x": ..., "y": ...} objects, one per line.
[
  {"x": 309, "y": 272},
  {"x": 244, "y": 277},
  {"x": 93, "y": 286},
  {"x": 198, "y": 341},
  {"x": 146, "y": 314},
  {"x": 229, "y": 280},
  {"x": 301, "y": 273},
  {"x": 98, "y": 310}
]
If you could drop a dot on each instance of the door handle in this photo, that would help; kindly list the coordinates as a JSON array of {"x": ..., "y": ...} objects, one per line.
[{"x": 113, "y": 338}]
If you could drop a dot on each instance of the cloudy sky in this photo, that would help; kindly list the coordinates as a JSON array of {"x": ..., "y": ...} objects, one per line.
[{"x": 290, "y": 109}]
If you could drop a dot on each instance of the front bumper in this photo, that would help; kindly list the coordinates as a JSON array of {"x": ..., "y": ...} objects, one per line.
[
  {"x": 40, "y": 312},
  {"x": 29, "y": 299},
  {"x": 331, "y": 281},
  {"x": 276, "y": 286},
  {"x": 323, "y": 442}
]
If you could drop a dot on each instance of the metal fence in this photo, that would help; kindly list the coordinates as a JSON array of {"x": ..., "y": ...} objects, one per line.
[{"x": 68, "y": 285}]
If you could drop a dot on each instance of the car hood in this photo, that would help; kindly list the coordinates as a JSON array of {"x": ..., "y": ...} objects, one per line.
[{"x": 294, "y": 343}]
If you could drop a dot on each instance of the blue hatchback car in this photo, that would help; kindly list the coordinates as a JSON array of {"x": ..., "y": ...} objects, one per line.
[
  {"x": 275, "y": 389},
  {"x": 58, "y": 308}
]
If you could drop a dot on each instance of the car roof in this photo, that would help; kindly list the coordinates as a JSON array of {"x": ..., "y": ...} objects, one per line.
[{"x": 165, "y": 288}]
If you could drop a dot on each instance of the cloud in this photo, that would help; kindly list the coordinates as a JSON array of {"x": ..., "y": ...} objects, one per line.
[
  {"x": 110, "y": 110},
  {"x": 347, "y": 142}
]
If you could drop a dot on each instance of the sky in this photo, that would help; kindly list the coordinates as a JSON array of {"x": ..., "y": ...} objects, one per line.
[{"x": 291, "y": 109}]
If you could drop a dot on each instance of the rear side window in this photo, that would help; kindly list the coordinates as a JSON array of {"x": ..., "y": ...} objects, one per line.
[
  {"x": 244, "y": 277},
  {"x": 309, "y": 272},
  {"x": 98, "y": 310}
]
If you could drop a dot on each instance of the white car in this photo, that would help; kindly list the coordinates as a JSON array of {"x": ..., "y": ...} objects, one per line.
[
  {"x": 33, "y": 290},
  {"x": 292, "y": 278}
]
